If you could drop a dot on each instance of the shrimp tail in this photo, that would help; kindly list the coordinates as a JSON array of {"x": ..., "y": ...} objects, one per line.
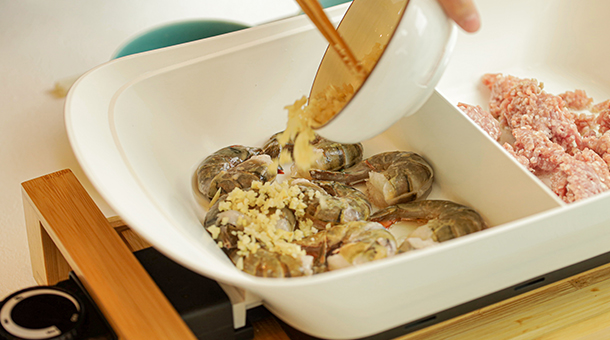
[{"x": 354, "y": 175}]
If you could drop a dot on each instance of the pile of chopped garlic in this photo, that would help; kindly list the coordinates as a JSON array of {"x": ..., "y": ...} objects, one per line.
[{"x": 259, "y": 224}]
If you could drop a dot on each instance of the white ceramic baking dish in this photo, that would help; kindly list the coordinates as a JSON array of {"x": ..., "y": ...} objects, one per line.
[{"x": 139, "y": 126}]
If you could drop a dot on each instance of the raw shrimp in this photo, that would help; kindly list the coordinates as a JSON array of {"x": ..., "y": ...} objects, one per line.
[
  {"x": 224, "y": 233},
  {"x": 393, "y": 177},
  {"x": 337, "y": 156},
  {"x": 221, "y": 160},
  {"x": 273, "y": 148},
  {"x": 334, "y": 156},
  {"x": 444, "y": 220},
  {"x": 269, "y": 264},
  {"x": 349, "y": 244},
  {"x": 232, "y": 167},
  {"x": 333, "y": 202}
]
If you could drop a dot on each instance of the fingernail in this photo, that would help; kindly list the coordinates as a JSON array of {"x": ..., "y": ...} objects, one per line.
[{"x": 471, "y": 23}]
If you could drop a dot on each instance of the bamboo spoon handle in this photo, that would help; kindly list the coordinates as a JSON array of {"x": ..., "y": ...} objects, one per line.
[{"x": 315, "y": 12}]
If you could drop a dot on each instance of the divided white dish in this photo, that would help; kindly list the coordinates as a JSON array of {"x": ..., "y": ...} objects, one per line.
[{"x": 140, "y": 125}]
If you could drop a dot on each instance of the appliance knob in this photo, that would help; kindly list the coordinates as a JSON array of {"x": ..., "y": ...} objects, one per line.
[{"x": 43, "y": 313}]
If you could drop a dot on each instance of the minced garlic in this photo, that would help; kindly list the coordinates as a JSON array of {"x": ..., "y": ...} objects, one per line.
[
  {"x": 259, "y": 222},
  {"x": 214, "y": 231},
  {"x": 304, "y": 116},
  {"x": 258, "y": 226}
]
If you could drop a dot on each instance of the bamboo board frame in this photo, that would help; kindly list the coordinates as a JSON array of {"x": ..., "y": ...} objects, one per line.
[{"x": 67, "y": 231}]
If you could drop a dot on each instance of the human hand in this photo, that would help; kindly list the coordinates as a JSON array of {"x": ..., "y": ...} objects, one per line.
[{"x": 463, "y": 12}]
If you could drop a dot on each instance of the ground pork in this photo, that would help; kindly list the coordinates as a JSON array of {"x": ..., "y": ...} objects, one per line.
[
  {"x": 601, "y": 106},
  {"x": 601, "y": 145},
  {"x": 526, "y": 104},
  {"x": 603, "y": 120},
  {"x": 580, "y": 176},
  {"x": 586, "y": 124},
  {"x": 551, "y": 137},
  {"x": 499, "y": 86},
  {"x": 577, "y": 100},
  {"x": 483, "y": 119},
  {"x": 543, "y": 156}
]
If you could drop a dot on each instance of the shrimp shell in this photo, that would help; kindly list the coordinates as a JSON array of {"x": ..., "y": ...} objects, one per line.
[
  {"x": 335, "y": 156},
  {"x": 264, "y": 263},
  {"x": 228, "y": 230},
  {"x": 393, "y": 177},
  {"x": 349, "y": 244},
  {"x": 445, "y": 219},
  {"x": 221, "y": 160},
  {"x": 257, "y": 168},
  {"x": 273, "y": 148},
  {"x": 333, "y": 202},
  {"x": 232, "y": 167}
]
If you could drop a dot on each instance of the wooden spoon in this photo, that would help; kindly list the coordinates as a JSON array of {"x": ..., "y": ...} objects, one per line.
[{"x": 315, "y": 12}]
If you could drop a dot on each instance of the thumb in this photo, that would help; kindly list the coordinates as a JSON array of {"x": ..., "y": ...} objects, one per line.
[{"x": 463, "y": 12}]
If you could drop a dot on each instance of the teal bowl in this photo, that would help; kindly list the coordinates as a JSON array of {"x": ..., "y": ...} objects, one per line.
[
  {"x": 186, "y": 31},
  {"x": 176, "y": 33}
]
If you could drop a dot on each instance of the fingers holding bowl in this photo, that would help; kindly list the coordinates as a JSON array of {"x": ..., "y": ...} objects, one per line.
[{"x": 464, "y": 13}]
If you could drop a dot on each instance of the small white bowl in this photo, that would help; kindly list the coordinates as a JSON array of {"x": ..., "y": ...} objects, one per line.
[{"x": 404, "y": 77}]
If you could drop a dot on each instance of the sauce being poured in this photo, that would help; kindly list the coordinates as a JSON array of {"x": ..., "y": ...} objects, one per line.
[
  {"x": 303, "y": 116},
  {"x": 365, "y": 30}
]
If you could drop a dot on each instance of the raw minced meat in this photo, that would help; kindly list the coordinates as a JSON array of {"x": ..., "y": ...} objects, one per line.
[
  {"x": 483, "y": 119},
  {"x": 534, "y": 150},
  {"x": 576, "y": 100},
  {"x": 499, "y": 85},
  {"x": 580, "y": 176},
  {"x": 586, "y": 123},
  {"x": 526, "y": 104},
  {"x": 518, "y": 156},
  {"x": 603, "y": 120},
  {"x": 552, "y": 136},
  {"x": 601, "y": 106},
  {"x": 600, "y": 145}
]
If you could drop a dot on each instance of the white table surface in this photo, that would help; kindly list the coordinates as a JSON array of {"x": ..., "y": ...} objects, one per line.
[{"x": 43, "y": 42}]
